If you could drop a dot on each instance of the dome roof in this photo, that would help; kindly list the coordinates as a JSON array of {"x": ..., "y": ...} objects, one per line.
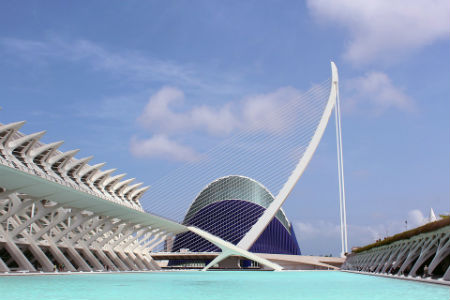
[{"x": 234, "y": 187}]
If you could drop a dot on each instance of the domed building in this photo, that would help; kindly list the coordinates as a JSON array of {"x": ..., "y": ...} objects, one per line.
[{"x": 228, "y": 207}]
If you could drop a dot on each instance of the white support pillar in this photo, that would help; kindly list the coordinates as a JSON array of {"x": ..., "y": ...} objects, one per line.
[
  {"x": 17, "y": 207},
  {"x": 3, "y": 266},
  {"x": 18, "y": 256},
  {"x": 340, "y": 162},
  {"x": 138, "y": 235},
  {"x": 153, "y": 246},
  {"x": 105, "y": 260},
  {"x": 442, "y": 252},
  {"x": 58, "y": 255},
  {"x": 427, "y": 251},
  {"x": 40, "y": 256},
  {"x": 126, "y": 260},
  {"x": 117, "y": 261},
  {"x": 135, "y": 260},
  {"x": 126, "y": 235},
  {"x": 91, "y": 258},
  {"x": 92, "y": 226},
  {"x": 79, "y": 220},
  {"x": 141, "y": 247},
  {"x": 113, "y": 234},
  {"x": 82, "y": 264},
  {"x": 41, "y": 213},
  {"x": 150, "y": 262},
  {"x": 412, "y": 255},
  {"x": 103, "y": 231},
  {"x": 394, "y": 258},
  {"x": 61, "y": 217}
]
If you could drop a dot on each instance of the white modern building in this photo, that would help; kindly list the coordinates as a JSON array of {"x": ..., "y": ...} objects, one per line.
[{"x": 57, "y": 210}]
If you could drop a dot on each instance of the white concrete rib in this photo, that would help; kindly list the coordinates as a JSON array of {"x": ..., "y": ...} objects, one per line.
[{"x": 51, "y": 176}]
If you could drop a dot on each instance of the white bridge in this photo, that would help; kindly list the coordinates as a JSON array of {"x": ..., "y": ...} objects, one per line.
[{"x": 56, "y": 210}]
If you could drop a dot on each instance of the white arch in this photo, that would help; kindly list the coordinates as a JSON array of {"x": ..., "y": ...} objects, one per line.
[{"x": 252, "y": 235}]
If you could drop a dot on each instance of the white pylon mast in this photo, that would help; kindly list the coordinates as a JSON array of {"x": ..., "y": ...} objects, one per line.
[{"x": 342, "y": 209}]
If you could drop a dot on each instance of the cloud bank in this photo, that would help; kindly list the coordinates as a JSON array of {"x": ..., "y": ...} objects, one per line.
[
  {"x": 385, "y": 30},
  {"x": 374, "y": 92},
  {"x": 317, "y": 237},
  {"x": 166, "y": 116}
]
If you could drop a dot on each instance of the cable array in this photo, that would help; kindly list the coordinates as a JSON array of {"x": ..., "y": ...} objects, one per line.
[{"x": 267, "y": 156}]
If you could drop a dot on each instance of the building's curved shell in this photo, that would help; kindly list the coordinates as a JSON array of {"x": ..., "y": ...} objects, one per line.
[
  {"x": 244, "y": 200},
  {"x": 234, "y": 187}
]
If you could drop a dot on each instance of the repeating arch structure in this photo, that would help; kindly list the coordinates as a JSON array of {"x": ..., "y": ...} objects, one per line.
[{"x": 426, "y": 254}]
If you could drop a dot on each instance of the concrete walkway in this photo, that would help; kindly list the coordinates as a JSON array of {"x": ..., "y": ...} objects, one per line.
[{"x": 420, "y": 279}]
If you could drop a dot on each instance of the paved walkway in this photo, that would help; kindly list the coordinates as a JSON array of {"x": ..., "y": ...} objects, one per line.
[{"x": 420, "y": 279}]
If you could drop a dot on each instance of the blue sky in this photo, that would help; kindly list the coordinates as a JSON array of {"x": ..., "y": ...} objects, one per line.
[{"x": 87, "y": 73}]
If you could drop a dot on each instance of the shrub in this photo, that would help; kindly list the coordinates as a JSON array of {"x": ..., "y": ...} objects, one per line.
[{"x": 407, "y": 234}]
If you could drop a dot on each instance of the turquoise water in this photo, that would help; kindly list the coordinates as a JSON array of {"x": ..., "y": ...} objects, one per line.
[{"x": 321, "y": 285}]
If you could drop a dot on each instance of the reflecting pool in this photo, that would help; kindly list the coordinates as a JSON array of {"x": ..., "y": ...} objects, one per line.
[{"x": 217, "y": 285}]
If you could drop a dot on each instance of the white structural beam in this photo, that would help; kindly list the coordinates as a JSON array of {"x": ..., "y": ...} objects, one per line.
[
  {"x": 33, "y": 185},
  {"x": 340, "y": 162},
  {"x": 257, "y": 229},
  {"x": 229, "y": 249},
  {"x": 83, "y": 196}
]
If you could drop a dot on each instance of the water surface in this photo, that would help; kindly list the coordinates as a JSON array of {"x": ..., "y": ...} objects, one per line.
[{"x": 302, "y": 285}]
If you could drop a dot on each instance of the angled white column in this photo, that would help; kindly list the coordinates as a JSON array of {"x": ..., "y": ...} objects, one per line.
[
  {"x": 3, "y": 266},
  {"x": 230, "y": 249},
  {"x": 340, "y": 162},
  {"x": 105, "y": 260},
  {"x": 16, "y": 253},
  {"x": 253, "y": 234}
]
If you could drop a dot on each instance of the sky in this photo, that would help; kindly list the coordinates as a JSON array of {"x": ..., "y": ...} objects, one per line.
[{"x": 148, "y": 86}]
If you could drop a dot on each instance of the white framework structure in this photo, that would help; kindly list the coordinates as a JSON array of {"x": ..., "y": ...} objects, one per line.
[
  {"x": 253, "y": 234},
  {"x": 56, "y": 209},
  {"x": 407, "y": 257}
]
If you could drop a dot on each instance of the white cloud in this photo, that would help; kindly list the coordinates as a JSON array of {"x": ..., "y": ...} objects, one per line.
[
  {"x": 319, "y": 228},
  {"x": 160, "y": 146},
  {"x": 264, "y": 111},
  {"x": 374, "y": 92},
  {"x": 165, "y": 112},
  {"x": 385, "y": 29},
  {"x": 322, "y": 237},
  {"x": 416, "y": 218}
]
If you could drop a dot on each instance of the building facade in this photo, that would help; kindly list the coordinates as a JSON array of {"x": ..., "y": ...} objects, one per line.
[{"x": 228, "y": 207}]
